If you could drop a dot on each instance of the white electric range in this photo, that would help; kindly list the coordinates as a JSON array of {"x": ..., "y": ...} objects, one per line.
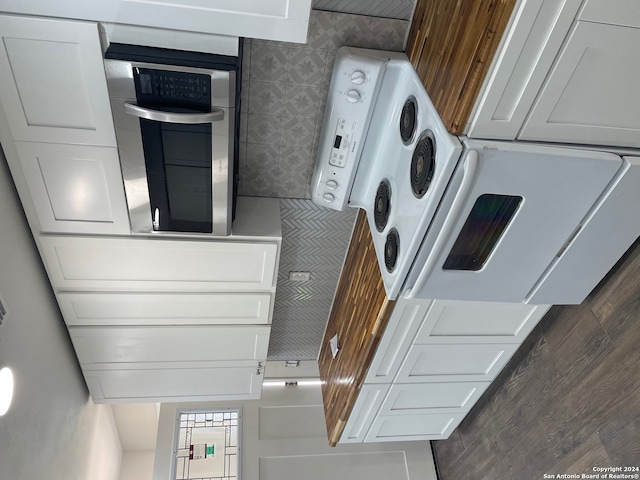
[{"x": 466, "y": 219}]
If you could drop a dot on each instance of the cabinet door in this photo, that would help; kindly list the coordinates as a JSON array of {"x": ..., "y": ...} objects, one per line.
[
  {"x": 401, "y": 329},
  {"x": 591, "y": 95},
  {"x": 75, "y": 188},
  {"x": 420, "y": 398},
  {"x": 450, "y": 321},
  {"x": 174, "y": 384},
  {"x": 52, "y": 81},
  {"x": 364, "y": 412},
  {"x": 165, "y": 308},
  {"x": 538, "y": 29},
  {"x": 120, "y": 345},
  {"x": 395, "y": 428},
  {"x": 158, "y": 264},
  {"x": 284, "y": 20},
  {"x": 455, "y": 362}
]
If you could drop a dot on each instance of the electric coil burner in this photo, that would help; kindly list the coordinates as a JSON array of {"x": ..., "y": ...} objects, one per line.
[
  {"x": 391, "y": 247},
  {"x": 423, "y": 164},
  {"x": 408, "y": 121},
  {"x": 382, "y": 205}
]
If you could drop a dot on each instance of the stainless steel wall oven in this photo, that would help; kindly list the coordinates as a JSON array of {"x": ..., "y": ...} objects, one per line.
[{"x": 177, "y": 117}]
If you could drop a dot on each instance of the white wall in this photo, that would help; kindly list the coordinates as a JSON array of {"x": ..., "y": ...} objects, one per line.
[
  {"x": 53, "y": 430},
  {"x": 137, "y": 465}
]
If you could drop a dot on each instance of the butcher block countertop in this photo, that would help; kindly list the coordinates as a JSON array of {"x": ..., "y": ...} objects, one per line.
[{"x": 451, "y": 44}]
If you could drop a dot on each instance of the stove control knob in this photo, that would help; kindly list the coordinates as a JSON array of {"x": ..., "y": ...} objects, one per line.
[
  {"x": 332, "y": 184},
  {"x": 358, "y": 77},
  {"x": 354, "y": 96},
  {"x": 329, "y": 197}
]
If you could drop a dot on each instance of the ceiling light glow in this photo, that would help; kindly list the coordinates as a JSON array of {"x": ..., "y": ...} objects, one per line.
[{"x": 6, "y": 389}]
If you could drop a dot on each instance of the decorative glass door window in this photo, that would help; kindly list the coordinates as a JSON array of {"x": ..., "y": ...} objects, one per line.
[{"x": 207, "y": 444}]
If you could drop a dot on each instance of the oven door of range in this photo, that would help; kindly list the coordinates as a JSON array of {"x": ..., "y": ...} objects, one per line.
[{"x": 509, "y": 211}]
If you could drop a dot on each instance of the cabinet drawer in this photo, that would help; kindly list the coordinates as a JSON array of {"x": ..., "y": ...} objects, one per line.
[
  {"x": 364, "y": 412},
  {"x": 173, "y": 384},
  {"x": 420, "y": 398},
  {"x": 119, "y": 345},
  {"x": 482, "y": 322},
  {"x": 165, "y": 308},
  {"x": 390, "y": 428},
  {"x": 455, "y": 362},
  {"x": 160, "y": 264}
]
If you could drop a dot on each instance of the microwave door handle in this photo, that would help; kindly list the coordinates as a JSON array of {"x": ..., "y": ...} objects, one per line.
[
  {"x": 215, "y": 115},
  {"x": 470, "y": 165}
]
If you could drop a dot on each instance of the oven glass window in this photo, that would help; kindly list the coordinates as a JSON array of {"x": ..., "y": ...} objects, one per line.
[
  {"x": 177, "y": 156},
  {"x": 481, "y": 232}
]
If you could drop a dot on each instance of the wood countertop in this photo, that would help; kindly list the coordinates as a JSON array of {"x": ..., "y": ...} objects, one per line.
[{"x": 451, "y": 45}]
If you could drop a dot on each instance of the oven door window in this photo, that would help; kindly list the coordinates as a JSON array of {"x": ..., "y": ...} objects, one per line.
[
  {"x": 482, "y": 231},
  {"x": 178, "y": 157}
]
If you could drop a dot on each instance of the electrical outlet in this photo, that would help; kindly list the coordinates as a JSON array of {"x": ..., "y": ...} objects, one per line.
[{"x": 299, "y": 276}]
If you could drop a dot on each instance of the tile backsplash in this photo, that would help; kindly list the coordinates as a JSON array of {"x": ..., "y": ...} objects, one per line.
[{"x": 283, "y": 97}]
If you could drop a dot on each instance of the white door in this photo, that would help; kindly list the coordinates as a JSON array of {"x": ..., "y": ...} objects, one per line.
[
  {"x": 75, "y": 188},
  {"x": 52, "y": 81},
  {"x": 522, "y": 204},
  {"x": 591, "y": 95}
]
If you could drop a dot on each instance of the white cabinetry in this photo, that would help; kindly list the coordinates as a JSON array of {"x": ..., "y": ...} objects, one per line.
[
  {"x": 52, "y": 82},
  {"x": 283, "y": 20},
  {"x": 565, "y": 77},
  {"x": 148, "y": 383},
  {"x": 58, "y": 136},
  {"x": 75, "y": 188},
  {"x": 591, "y": 93},
  {"x": 434, "y": 361},
  {"x": 97, "y": 346},
  {"x": 158, "y": 264},
  {"x": 102, "y": 308}
]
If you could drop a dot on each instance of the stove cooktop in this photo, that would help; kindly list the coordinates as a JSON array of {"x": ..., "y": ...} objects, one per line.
[{"x": 407, "y": 160}]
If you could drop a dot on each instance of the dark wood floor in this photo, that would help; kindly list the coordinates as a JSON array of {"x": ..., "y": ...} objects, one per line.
[{"x": 568, "y": 401}]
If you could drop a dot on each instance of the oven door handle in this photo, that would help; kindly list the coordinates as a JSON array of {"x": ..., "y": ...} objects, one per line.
[
  {"x": 215, "y": 115},
  {"x": 470, "y": 166}
]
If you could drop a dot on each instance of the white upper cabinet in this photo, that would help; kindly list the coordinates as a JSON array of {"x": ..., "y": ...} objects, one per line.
[
  {"x": 283, "y": 20},
  {"x": 52, "y": 82},
  {"x": 75, "y": 188},
  {"x": 591, "y": 95}
]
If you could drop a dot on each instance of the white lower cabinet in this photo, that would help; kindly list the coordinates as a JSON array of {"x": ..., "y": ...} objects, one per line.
[
  {"x": 455, "y": 362},
  {"x": 158, "y": 264},
  {"x": 435, "y": 360},
  {"x": 364, "y": 411},
  {"x": 441, "y": 397},
  {"x": 170, "y": 384},
  {"x": 399, "y": 428},
  {"x": 122, "y": 344},
  {"x": 100, "y": 309}
]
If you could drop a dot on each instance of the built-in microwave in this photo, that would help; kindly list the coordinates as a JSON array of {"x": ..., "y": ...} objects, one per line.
[{"x": 176, "y": 118}]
